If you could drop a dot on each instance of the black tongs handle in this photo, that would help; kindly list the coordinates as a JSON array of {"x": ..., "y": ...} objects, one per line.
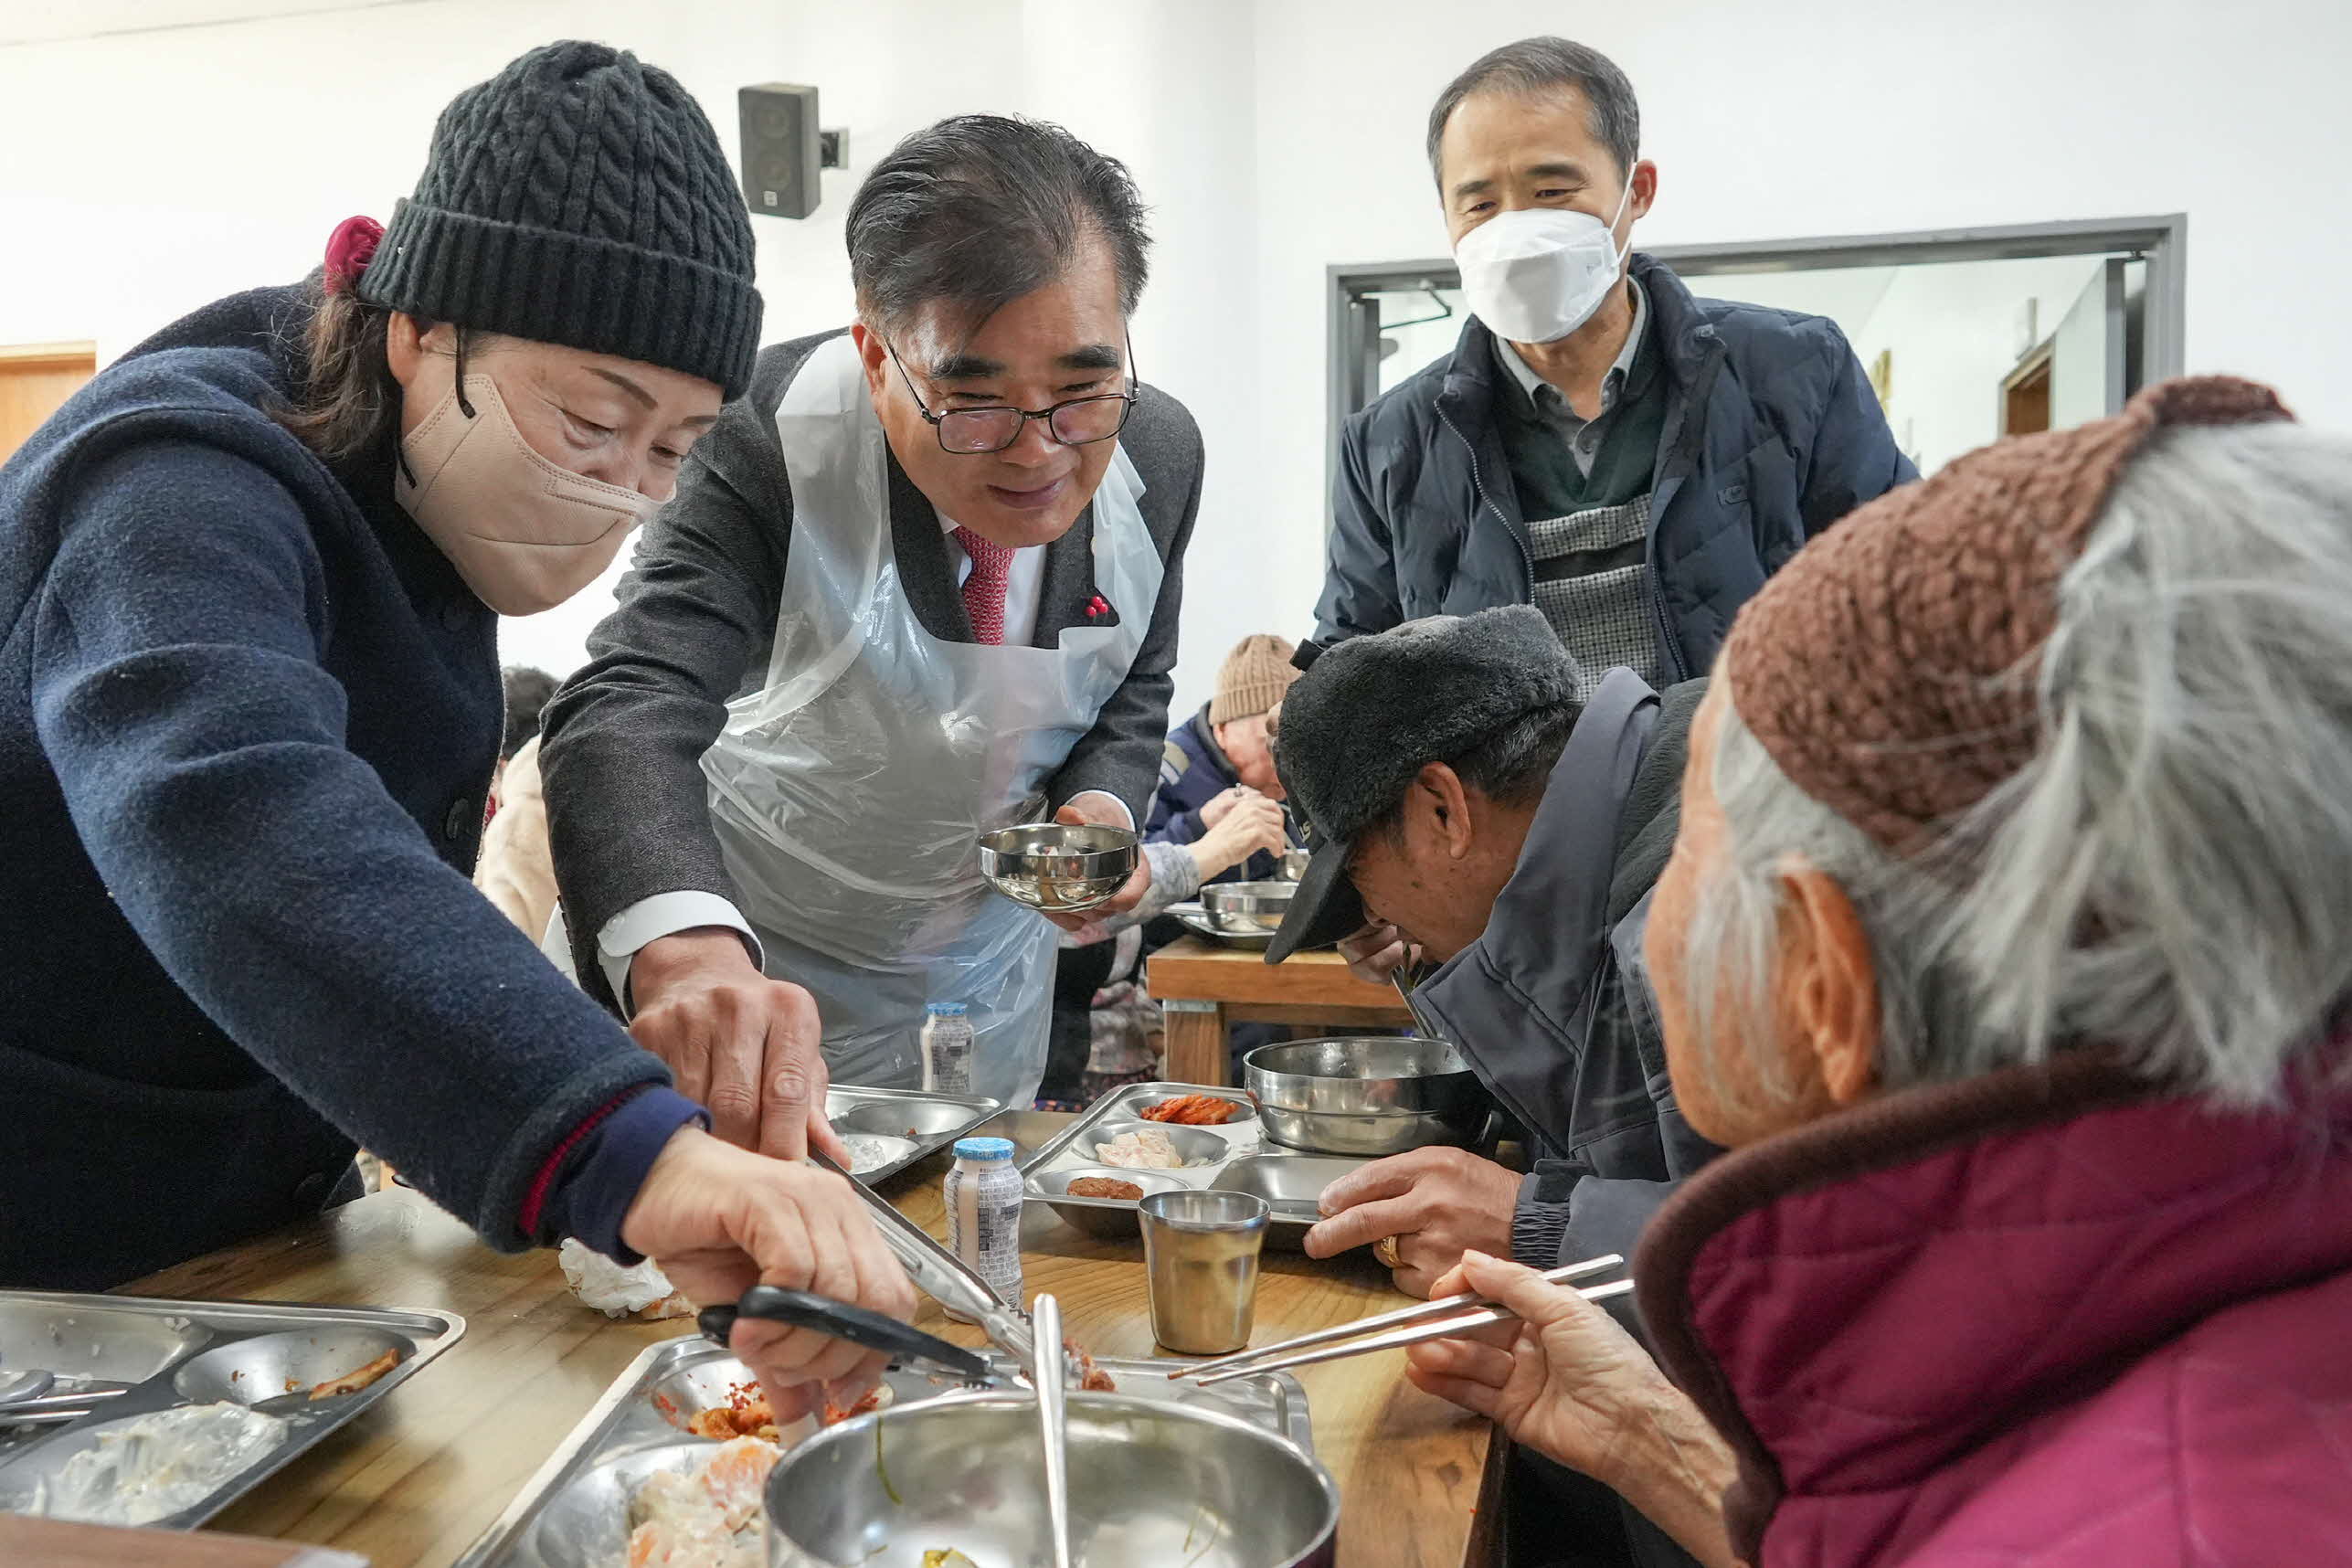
[{"x": 906, "y": 1346}]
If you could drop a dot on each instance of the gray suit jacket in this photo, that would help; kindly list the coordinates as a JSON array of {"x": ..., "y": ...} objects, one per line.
[{"x": 628, "y": 816}]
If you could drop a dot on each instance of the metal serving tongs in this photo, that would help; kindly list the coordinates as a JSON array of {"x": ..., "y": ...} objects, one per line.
[
  {"x": 905, "y": 1346},
  {"x": 1054, "y": 1426},
  {"x": 1442, "y": 1318},
  {"x": 27, "y": 1398},
  {"x": 951, "y": 1282}
]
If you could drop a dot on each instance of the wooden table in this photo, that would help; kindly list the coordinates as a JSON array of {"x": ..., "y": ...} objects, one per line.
[
  {"x": 412, "y": 1482},
  {"x": 1202, "y": 988}
]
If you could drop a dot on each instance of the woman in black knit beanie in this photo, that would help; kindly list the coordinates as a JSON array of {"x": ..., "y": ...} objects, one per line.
[{"x": 250, "y": 706}]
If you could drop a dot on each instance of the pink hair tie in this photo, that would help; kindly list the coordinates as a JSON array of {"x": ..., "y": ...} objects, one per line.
[{"x": 348, "y": 250}]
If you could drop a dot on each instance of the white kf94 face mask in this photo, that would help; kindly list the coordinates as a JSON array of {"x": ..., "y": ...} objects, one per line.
[
  {"x": 525, "y": 534},
  {"x": 1537, "y": 274}
]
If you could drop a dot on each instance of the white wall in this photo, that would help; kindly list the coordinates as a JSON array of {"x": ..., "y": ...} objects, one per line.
[
  {"x": 142, "y": 173},
  {"x": 1823, "y": 116}
]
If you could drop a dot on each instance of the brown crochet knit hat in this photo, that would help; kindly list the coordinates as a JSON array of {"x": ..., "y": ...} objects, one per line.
[
  {"x": 1253, "y": 678},
  {"x": 1891, "y": 667}
]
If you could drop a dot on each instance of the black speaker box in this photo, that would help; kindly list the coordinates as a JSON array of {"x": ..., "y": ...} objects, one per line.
[{"x": 781, "y": 149}]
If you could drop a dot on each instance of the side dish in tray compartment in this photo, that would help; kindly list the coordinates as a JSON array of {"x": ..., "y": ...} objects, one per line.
[
  {"x": 148, "y": 1468},
  {"x": 708, "y": 1517},
  {"x": 1105, "y": 1187},
  {"x": 1193, "y": 1110},
  {"x": 1146, "y": 1150}
]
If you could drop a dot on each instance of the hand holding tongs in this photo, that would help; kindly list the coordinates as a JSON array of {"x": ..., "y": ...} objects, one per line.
[
  {"x": 1442, "y": 1318},
  {"x": 949, "y": 1280},
  {"x": 905, "y": 1346}
]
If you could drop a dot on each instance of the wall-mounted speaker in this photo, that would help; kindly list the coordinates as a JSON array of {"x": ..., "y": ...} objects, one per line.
[{"x": 782, "y": 149}]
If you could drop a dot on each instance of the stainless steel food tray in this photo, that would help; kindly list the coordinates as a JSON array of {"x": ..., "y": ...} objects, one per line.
[
  {"x": 179, "y": 1353},
  {"x": 574, "y": 1512},
  {"x": 932, "y": 1121},
  {"x": 1197, "y": 920},
  {"x": 1244, "y": 1164}
]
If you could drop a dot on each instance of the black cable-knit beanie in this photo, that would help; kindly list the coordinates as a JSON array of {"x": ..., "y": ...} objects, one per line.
[{"x": 579, "y": 196}]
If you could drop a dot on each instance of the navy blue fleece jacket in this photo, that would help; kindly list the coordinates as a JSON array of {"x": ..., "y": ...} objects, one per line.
[{"x": 247, "y": 716}]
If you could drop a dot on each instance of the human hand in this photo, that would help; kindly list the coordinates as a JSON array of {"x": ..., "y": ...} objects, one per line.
[
  {"x": 1377, "y": 952},
  {"x": 1436, "y": 1203},
  {"x": 1102, "y": 812},
  {"x": 719, "y": 1220},
  {"x": 1565, "y": 1380},
  {"x": 1214, "y": 810},
  {"x": 743, "y": 1044},
  {"x": 1250, "y": 824}
]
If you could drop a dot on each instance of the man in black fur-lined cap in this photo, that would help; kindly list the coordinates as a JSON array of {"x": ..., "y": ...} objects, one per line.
[
  {"x": 1468, "y": 813},
  {"x": 1469, "y": 817}
]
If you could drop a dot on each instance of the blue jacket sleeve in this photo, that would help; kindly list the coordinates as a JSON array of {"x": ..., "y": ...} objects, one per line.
[
  {"x": 1565, "y": 1216},
  {"x": 1854, "y": 456},
  {"x": 179, "y": 694},
  {"x": 1359, "y": 593}
]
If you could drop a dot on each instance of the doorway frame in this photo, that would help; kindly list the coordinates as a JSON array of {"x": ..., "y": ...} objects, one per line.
[{"x": 1352, "y": 346}]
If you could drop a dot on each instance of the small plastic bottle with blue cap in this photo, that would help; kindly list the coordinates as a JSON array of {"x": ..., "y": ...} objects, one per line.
[
  {"x": 947, "y": 1048},
  {"x": 983, "y": 1202}
]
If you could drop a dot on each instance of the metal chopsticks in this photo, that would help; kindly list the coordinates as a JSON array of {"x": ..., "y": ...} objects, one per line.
[{"x": 1447, "y": 1316}]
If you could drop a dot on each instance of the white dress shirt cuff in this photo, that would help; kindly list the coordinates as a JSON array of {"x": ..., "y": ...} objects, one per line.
[
  {"x": 663, "y": 915},
  {"x": 1125, "y": 815}
]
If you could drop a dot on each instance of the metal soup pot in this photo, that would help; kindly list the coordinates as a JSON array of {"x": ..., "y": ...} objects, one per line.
[
  {"x": 1150, "y": 1483},
  {"x": 1366, "y": 1095}
]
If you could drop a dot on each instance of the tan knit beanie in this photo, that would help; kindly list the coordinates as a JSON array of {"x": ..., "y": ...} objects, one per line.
[
  {"x": 1253, "y": 678},
  {"x": 1891, "y": 668}
]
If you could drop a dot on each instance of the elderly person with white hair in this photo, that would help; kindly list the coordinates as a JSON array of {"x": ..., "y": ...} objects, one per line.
[{"x": 2006, "y": 945}]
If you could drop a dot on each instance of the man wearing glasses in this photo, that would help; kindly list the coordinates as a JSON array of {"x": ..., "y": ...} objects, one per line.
[{"x": 921, "y": 582}]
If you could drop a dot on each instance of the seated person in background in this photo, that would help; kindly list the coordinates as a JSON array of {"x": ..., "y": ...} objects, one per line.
[
  {"x": 1463, "y": 804},
  {"x": 528, "y": 691},
  {"x": 1105, "y": 1022},
  {"x": 516, "y": 870},
  {"x": 2004, "y": 945},
  {"x": 1222, "y": 757}
]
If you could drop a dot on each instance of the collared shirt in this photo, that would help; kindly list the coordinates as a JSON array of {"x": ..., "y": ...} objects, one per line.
[
  {"x": 1024, "y": 583},
  {"x": 1583, "y": 436}
]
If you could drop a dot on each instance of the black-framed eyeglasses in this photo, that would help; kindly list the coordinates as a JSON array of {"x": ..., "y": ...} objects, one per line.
[{"x": 973, "y": 432}]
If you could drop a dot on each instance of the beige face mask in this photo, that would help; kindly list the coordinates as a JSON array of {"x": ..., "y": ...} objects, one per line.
[{"x": 524, "y": 532}]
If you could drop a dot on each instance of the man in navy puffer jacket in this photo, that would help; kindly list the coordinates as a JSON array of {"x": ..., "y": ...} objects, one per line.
[{"x": 1632, "y": 461}]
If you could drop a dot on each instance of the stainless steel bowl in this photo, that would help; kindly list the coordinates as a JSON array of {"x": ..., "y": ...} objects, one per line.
[
  {"x": 1196, "y": 920},
  {"x": 1150, "y": 1483},
  {"x": 1248, "y": 908},
  {"x": 1061, "y": 868},
  {"x": 1365, "y": 1095}
]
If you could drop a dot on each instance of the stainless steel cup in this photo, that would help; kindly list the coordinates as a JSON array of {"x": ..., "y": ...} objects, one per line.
[{"x": 1200, "y": 1253}]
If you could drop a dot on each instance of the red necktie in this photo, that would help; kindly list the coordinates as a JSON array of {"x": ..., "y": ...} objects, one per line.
[{"x": 984, "y": 588}]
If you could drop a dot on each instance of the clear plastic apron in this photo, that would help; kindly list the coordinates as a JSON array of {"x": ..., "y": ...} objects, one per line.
[{"x": 847, "y": 793}]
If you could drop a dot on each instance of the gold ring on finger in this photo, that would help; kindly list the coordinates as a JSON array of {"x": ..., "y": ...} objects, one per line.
[{"x": 1384, "y": 1249}]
